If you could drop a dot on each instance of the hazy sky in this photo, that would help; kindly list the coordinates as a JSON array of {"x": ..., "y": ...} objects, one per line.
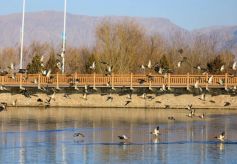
[{"x": 189, "y": 14}]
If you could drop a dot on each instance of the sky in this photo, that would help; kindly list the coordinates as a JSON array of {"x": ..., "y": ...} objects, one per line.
[{"x": 189, "y": 14}]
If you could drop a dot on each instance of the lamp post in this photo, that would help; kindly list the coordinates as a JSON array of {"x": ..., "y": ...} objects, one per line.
[
  {"x": 64, "y": 36},
  {"x": 22, "y": 33}
]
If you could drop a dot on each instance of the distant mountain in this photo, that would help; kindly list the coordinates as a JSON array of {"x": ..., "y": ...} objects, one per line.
[{"x": 48, "y": 26}]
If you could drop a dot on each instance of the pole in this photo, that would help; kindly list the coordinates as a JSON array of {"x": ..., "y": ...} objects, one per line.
[
  {"x": 22, "y": 33},
  {"x": 64, "y": 35}
]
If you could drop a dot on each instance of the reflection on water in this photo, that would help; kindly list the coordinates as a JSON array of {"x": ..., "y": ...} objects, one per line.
[{"x": 46, "y": 136}]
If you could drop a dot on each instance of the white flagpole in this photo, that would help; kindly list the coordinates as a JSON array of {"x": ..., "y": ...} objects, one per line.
[
  {"x": 64, "y": 36},
  {"x": 22, "y": 33}
]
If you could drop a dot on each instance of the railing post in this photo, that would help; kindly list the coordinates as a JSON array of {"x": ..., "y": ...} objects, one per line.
[
  {"x": 39, "y": 81},
  {"x": 207, "y": 81},
  {"x": 131, "y": 76},
  {"x": 94, "y": 80},
  {"x": 57, "y": 85},
  {"x": 226, "y": 81},
  {"x": 187, "y": 80},
  {"x": 112, "y": 81},
  {"x": 75, "y": 77},
  {"x": 168, "y": 80},
  {"x": 2, "y": 80},
  {"x": 20, "y": 80}
]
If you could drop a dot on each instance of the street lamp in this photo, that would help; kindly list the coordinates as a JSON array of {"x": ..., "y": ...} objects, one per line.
[
  {"x": 64, "y": 36},
  {"x": 22, "y": 34}
]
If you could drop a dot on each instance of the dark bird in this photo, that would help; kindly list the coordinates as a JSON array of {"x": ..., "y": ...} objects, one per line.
[
  {"x": 78, "y": 135},
  {"x": 109, "y": 98},
  {"x": 66, "y": 96},
  {"x": 171, "y": 118},
  {"x": 141, "y": 81},
  {"x": 3, "y": 106},
  {"x": 127, "y": 102},
  {"x": 167, "y": 106},
  {"x": 150, "y": 97},
  {"x": 227, "y": 104},
  {"x": 221, "y": 137},
  {"x": 212, "y": 101},
  {"x": 39, "y": 100},
  {"x": 180, "y": 50}
]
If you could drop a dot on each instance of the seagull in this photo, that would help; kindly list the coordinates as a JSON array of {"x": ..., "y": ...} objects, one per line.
[
  {"x": 234, "y": 66},
  {"x": 149, "y": 64},
  {"x": 156, "y": 131},
  {"x": 189, "y": 107},
  {"x": 3, "y": 88},
  {"x": 163, "y": 88},
  {"x": 203, "y": 96},
  {"x": 210, "y": 80},
  {"x": 202, "y": 116},
  {"x": 85, "y": 96},
  {"x": 93, "y": 66},
  {"x": 142, "y": 67},
  {"x": 14, "y": 102},
  {"x": 221, "y": 137},
  {"x": 123, "y": 137},
  {"x": 222, "y": 68},
  {"x": 78, "y": 135}
]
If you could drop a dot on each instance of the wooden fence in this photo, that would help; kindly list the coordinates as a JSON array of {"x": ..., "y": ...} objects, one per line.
[{"x": 118, "y": 80}]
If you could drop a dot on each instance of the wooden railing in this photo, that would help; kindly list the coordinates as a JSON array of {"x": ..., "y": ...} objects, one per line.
[{"x": 118, "y": 80}]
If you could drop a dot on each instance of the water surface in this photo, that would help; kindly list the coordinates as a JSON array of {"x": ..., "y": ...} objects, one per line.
[{"x": 37, "y": 135}]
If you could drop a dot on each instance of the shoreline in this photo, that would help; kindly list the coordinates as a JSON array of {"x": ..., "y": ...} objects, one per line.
[{"x": 96, "y": 100}]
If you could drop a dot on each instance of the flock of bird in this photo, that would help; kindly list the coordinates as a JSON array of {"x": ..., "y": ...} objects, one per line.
[{"x": 155, "y": 132}]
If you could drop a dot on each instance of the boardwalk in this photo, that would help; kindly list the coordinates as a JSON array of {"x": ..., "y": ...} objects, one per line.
[{"x": 118, "y": 80}]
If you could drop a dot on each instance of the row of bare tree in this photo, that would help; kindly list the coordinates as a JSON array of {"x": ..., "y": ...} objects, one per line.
[{"x": 126, "y": 47}]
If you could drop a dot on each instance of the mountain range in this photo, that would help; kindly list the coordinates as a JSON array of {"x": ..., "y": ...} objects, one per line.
[{"x": 47, "y": 26}]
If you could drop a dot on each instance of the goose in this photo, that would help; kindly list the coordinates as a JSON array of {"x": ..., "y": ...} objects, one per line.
[
  {"x": 221, "y": 137},
  {"x": 190, "y": 107},
  {"x": 123, "y": 137},
  {"x": 156, "y": 131}
]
